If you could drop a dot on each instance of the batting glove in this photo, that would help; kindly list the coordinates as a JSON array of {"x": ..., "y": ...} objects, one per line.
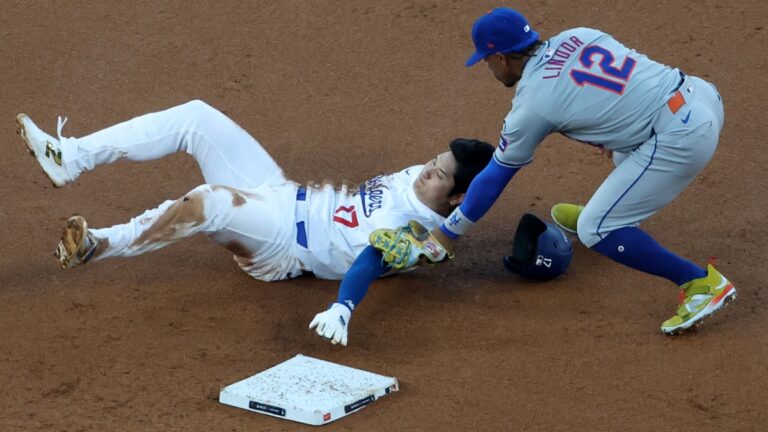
[
  {"x": 408, "y": 246},
  {"x": 333, "y": 323}
]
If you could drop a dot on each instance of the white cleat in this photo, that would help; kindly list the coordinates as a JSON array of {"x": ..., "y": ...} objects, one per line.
[
  {"x": 77, "y": 245},
  {"x": 45, "y": 148}
]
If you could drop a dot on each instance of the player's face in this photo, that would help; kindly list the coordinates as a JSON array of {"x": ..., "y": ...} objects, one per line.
[
  {"x": 505, "y": 68},
  {"x": 435, "y": 182}
]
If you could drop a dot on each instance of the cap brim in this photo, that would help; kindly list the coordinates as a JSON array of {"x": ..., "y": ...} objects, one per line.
[{"x": 474, "y": 58}]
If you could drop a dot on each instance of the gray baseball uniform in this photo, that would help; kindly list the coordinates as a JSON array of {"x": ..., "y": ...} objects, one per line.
[{"x": 589, "y": 87}]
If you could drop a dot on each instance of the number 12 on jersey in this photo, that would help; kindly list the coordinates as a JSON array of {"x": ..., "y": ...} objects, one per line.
[{"x": 613, "y": 79}]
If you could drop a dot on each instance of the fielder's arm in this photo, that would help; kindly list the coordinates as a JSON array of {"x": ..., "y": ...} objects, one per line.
[{"x": 482, "y": 194}]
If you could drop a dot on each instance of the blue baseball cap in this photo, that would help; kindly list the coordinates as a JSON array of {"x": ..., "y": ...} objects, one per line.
[{"x": 502, "y": 30}]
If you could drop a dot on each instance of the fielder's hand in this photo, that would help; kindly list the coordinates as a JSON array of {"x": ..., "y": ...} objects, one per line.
[
  {"x": 409, "y": 246},
  {"x": 332, "y": 324}
]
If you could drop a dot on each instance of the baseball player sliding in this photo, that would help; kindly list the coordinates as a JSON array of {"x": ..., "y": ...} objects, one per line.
[
  {"x": 275, "y": 228},
  {"x": 661, "y": 125}
]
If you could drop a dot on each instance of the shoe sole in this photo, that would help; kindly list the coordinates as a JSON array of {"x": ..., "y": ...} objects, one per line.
[
  {"x": 44, "y": 163},
  {"x": 564, "y": 228},
  {"x": 727, "y": 297}
]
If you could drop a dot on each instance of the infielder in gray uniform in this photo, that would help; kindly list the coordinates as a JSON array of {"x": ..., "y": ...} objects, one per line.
[{"x": 661, "y": 125}]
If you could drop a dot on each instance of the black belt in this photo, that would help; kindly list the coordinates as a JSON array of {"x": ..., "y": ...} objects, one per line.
[
  {"x": 680, "y": 84},
  {"x": 301, "y": 230}
]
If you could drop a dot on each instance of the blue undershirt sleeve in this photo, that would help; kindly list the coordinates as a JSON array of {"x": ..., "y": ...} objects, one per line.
[
  {"x": 368, "y": 267},
  {"x": 485, "y": 189}
]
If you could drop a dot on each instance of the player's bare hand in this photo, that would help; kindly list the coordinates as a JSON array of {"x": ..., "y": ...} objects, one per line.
[
  {"x": 333, "y": 324},
  {"x": 409, "y": 246}
]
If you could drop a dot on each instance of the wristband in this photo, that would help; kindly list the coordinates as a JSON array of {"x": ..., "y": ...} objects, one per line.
[{"x": 456, "y": 224}]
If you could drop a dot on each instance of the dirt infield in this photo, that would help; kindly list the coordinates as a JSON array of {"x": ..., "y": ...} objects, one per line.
[{"x": 358, "y": 89}]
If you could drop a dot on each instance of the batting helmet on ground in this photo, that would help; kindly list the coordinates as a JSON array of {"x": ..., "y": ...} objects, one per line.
[{"x": 540, "y": 250}]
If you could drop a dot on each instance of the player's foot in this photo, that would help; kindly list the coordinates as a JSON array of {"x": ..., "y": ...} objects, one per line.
[
  {"x": 45, "y": 148},
  {"x": 77, "y": 244},
  {"x": 566, "y": 216},
  {"x": 699, "y": 299}
]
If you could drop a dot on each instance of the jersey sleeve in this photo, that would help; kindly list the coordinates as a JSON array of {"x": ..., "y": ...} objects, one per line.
[{"x": 521, "y": 133}]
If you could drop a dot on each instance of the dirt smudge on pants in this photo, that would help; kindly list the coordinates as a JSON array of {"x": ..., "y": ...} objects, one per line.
[
  {"x": 184, "y": 213},
  {"x": 238, "y": 196}
]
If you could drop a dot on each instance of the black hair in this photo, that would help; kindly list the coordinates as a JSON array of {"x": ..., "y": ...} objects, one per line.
[
  {"x": 471, "y": 157},
  {"x": 528, "y": 51}
]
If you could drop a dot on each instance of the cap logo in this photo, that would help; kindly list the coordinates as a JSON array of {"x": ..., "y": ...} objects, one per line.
[
  {"x": 490, "y": 45},
  {"x": 527, "y": 28}
]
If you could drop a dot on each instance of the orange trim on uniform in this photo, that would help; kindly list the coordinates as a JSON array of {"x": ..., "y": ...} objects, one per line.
[{"x": 676, "y": 102}]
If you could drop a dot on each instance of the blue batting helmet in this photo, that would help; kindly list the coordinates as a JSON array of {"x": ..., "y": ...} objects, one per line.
[{"x": 540, "y": 250}]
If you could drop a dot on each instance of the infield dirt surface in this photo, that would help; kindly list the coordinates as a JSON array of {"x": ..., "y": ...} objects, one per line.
[{"x": 348, "y": 90}]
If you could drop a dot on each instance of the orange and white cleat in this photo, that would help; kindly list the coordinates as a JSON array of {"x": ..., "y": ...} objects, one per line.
[{"x": 699, "y": 299}]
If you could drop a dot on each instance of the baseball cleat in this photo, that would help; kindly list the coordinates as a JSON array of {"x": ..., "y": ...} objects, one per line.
[
  {"x": 77, "y": 245},
  {"x": 699, "y": 299},
  {"x": 45, "y": 148},
  {"x": 566, "y": 216}
]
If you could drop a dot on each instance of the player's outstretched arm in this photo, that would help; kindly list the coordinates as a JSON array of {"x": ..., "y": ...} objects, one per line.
[{"x": 333, "y": 324}]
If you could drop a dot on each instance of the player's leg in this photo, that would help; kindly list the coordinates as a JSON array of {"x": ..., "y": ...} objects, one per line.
[
  {"x": 638, "y": 188},
  {"x": 619, "y": 157},
  {"x": 566, "y": 215},
  {"x": 262, "y": 234},
  {"x": 226, "y": 153},
  {"x": 171, "y": 221},
  {"x": 655, "y": 173},
  {"x": 650, "y": 178},
  {"x": 255, "y": 225}
]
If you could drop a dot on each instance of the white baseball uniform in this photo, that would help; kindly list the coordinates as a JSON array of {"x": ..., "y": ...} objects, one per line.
[{"x": 276, "y": 228}]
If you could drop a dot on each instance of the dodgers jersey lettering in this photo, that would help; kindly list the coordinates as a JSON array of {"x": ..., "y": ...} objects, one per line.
[
  {"x": 589, "y": 87},
  {"x": 339, "y": 222}
]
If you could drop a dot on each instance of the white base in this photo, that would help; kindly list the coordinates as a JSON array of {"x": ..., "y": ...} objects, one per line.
[{"x": 308, "y": 390}]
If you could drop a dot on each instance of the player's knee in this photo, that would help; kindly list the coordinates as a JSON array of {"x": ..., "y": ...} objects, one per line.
[
  {"x": 217, "y": 204},
  {"x": 194, "y": 202},
  {"x": 586, "y": 228},
  {"x": 198, "y": 107},
  {"x": 189, "y": 210},
  {"x": 200, "y": 193}
]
